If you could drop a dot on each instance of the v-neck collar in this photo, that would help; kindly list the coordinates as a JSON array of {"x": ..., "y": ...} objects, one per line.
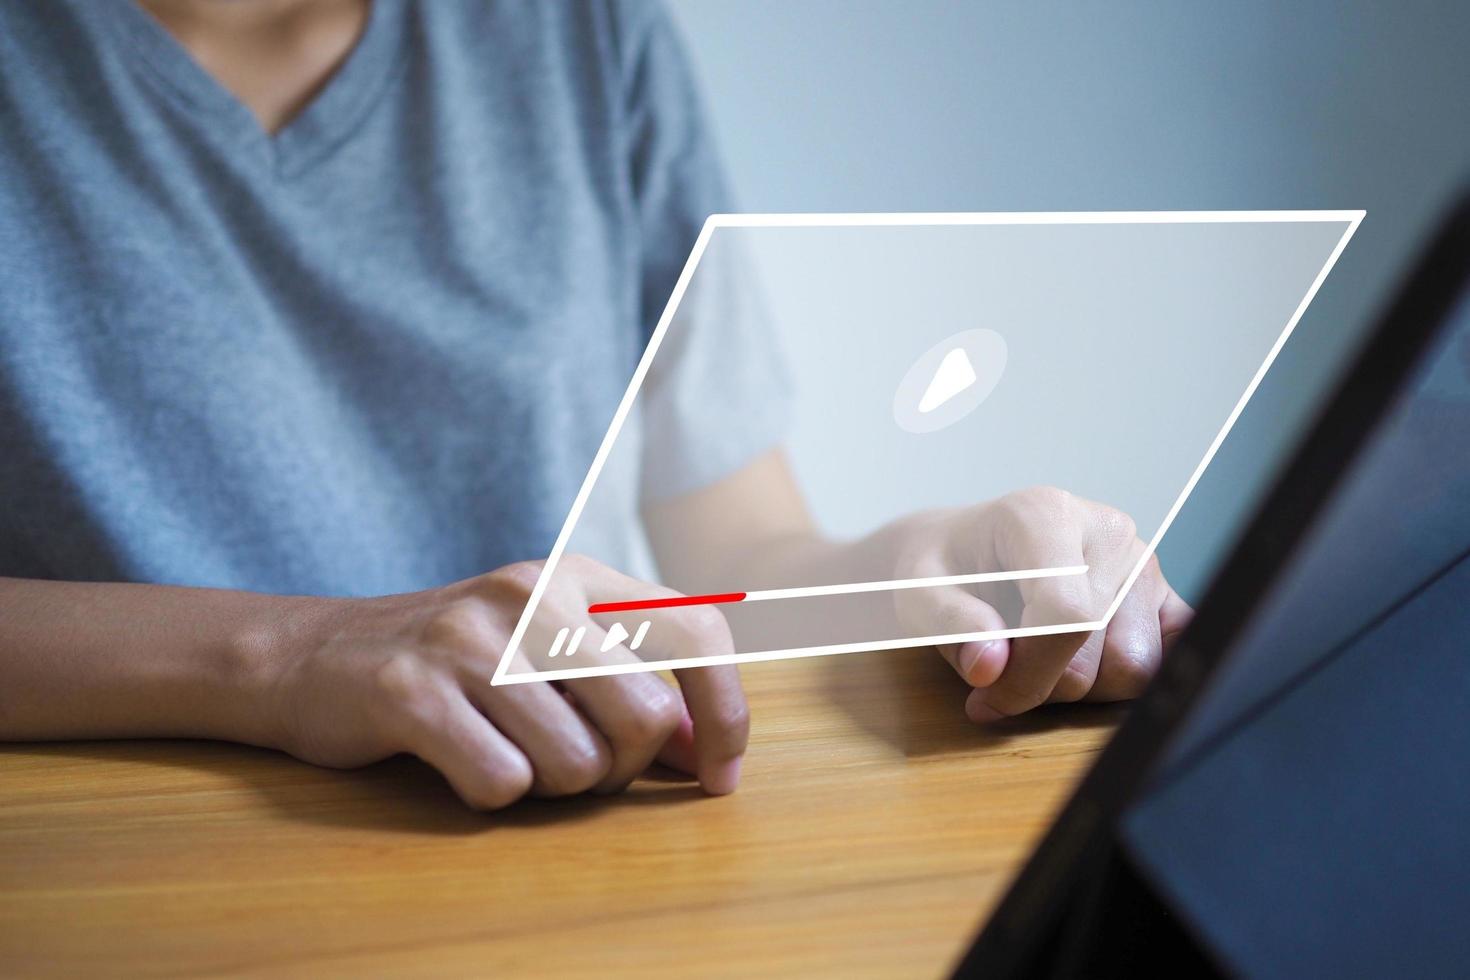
[{"x": 328, "y": 119}]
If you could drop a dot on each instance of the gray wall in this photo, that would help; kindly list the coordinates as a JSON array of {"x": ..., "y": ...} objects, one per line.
[{"x": 923, "y": 105}]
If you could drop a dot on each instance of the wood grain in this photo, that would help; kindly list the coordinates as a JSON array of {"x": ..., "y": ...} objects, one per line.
[{"x": 874, "y": 829}]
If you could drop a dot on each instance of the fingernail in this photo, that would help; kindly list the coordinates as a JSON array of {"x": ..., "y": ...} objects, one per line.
[
  {"x": 722, "y": 778},
  {"x": 969, "y": 657},
  {"x": 972, "y": 653}
]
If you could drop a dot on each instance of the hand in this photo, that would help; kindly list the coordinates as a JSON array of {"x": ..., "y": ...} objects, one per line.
[
  {"x": 1041, "y": 528},
  {"x": 357, "y": 680}
]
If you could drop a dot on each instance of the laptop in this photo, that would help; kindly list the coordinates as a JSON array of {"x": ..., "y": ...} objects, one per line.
[{"x": 1290, "y": 796}]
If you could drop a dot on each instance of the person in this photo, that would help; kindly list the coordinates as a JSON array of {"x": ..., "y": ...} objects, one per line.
[{"x": 312, "y": 314}]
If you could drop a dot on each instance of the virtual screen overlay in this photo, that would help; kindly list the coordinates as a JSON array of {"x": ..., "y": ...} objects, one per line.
[{"x": 924, "y": 377}]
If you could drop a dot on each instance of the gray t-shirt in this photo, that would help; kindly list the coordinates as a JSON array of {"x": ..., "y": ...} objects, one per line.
[{"x": 373, "y": 353}]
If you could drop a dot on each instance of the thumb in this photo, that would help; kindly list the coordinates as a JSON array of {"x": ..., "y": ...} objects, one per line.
[{"x": 945, "y": 610}]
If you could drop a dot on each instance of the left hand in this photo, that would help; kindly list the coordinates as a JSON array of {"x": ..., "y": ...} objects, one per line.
[{"x": 1040, "y": 528}]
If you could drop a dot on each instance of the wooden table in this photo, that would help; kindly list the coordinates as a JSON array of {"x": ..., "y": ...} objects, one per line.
[{"x": 874, "y": 829}]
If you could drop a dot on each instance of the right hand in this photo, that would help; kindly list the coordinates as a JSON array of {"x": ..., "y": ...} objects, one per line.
[
  {"x": 1040, "y": 527},
  {"x": 358, "y": 680}
]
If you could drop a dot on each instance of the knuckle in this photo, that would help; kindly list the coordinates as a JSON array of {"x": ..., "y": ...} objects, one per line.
[
  {"x": 1023, "y": 513},
  {"x": 459, "y": 625},
  {"x": 1073, "y": 685},
  {"x": 1014, "y": 699},
  {"x": 578, "y": 564},
  {"x": 663, "y": 715},
  {"x": 1141, "y": 648},
  {"x": 561, "y": 607},
  {"x": 1041, "y": 499},
  {"x": 733, "y": 719},
  {"x": 509, "y": 781},
  {"x": 652, "y": 720},
  {"x": 1052, "y": 496},
  {"x": 1072, "y": 607},
  {"x": 1115, "y": 527},
  {"x": 578, "y": 768},
  {"x": 1133, "y": 667},
  {"x": 1065, "y": 607},
  {"x": 707, "y": 625},
  {"x": 404, "y": 681},
  {"x": 519, "y": 577}
]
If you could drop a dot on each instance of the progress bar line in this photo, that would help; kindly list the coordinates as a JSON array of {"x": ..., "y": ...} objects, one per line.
[
  {"x": 811, "y": 591},
  {"x": 681, "y": 600}
]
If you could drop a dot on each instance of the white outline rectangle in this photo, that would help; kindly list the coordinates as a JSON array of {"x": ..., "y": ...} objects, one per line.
[
  {"x": 1353, "y": 218},
  {"x": 898, "y": 584},
  {"x": 827, "y": 650}
]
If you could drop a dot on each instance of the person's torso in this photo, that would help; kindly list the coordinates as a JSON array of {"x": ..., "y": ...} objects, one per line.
[{"x": 371, "y": 354}]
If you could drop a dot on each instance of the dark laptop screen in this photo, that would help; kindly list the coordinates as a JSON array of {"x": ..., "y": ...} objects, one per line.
[
  {"x": 1308, "y": 818},
  {"x": 1401, "y": 516}
]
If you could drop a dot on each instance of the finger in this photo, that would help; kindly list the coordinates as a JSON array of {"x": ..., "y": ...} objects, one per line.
[
  {"x": 1080, "y": 674},
  {"x": 721, "y": 720},
  {"x": 980, "y": 662},
  {"x": 578, "y": 584},
  {"x": 636, "y": 713},
  {"x": 567, "y": 753},
  {"x": 712, "y": 696},
  {"x": 678, "y": 752},
  {"x": 1132, "y": 646},
  {"x": 949, "y": 609},
  {"x": 713, "y": 699},
  {"x": 483, "y": 766},
  {"x": 601, "y": 583},
  {"x": 1046, "y": 530},
  {"x": 1174, "y": 616},
  {"x": 1146, "y": 624},
  {"x": 1036, "y": 663}
]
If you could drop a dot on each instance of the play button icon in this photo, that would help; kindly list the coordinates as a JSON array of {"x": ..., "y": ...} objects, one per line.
[
  {"x": 949, "y": 380},
  {"x": 955, "y": 374}
]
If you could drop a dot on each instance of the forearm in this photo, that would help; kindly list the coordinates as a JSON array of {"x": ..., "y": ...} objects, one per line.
[
  {"x": 809, "y": 557},
  {"x": 804, "y": 559},
  {"x": 85, "y": 660},
  {"x": 753, "y": 531}
]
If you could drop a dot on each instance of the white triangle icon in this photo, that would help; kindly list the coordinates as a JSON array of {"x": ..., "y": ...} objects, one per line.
[
  {"x": 615, "y": 636},
  {"x": 954, "y": 375}
]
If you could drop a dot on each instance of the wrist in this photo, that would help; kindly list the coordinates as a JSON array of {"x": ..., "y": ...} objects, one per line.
[{"x": 254, "y": 667}]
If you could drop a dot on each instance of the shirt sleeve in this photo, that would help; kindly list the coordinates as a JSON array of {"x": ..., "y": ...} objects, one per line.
[{"x": 717, "y": 394}]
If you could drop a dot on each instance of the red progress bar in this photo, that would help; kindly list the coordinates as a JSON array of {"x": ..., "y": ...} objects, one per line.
[{"x": 716, "y": 599}]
